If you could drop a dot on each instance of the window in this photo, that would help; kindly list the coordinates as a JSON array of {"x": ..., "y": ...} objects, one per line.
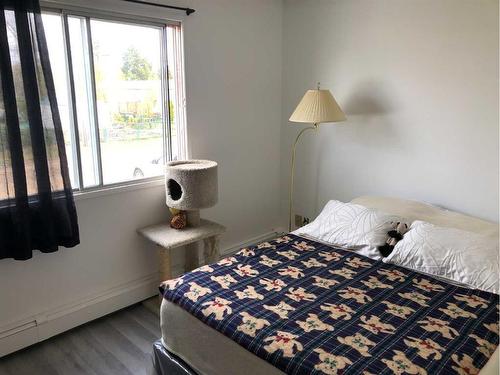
[{"x": 119, "y": 87}]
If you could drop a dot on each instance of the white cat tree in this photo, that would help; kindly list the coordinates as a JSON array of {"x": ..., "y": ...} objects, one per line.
[{"x": 190, "y": 185}]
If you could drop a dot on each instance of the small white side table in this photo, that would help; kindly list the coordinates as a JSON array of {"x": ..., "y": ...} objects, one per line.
[{"x": 168, "y": 238}]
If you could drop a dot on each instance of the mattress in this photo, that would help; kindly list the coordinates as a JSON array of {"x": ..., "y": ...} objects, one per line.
[
  {"x": 210, "y": 347},
  {"x": 209, "y": 352},
  {"x": 204, "y": 349}
]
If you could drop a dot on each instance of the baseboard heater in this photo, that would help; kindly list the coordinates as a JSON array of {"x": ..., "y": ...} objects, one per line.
[{"x": 30, "y": 330}]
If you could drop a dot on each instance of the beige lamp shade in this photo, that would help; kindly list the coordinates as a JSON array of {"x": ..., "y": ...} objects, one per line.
[{"x": 317, "y": 106}]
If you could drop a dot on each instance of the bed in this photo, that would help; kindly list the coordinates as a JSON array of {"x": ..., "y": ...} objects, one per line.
[{"x": 242, "y": 324}]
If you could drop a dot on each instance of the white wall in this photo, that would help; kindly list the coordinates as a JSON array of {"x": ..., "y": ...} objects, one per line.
[
  {"x": 233, "y": 85},
  {"x": 418, "y": 81}
]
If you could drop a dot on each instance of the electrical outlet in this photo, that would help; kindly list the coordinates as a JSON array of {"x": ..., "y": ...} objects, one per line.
[{"x": 298, "y": 221}]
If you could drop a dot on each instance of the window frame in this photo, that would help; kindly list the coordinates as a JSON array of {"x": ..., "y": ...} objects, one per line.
[{"x": 161, "y": 24}]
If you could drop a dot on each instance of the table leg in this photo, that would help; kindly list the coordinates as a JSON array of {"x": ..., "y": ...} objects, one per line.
[
  {"x": 164, "y": 264},
  {"x": 191, "y": 257},
  {"x": 153, "y": 303},
  {"x": 211, "y": 253}
]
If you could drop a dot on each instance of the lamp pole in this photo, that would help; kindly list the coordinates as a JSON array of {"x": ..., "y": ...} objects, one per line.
[{"x": 292, "y": 173}]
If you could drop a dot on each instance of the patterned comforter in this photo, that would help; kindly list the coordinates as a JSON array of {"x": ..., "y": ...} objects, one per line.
[{"x": 308, "y": 308}]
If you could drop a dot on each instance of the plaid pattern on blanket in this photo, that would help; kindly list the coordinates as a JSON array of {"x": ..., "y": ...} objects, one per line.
[{"x": 308, "y": 308}]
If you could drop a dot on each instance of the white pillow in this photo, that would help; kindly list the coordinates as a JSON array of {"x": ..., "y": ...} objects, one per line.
[
  {"x": 351, "y": 226},
  {"x": 465, "y": 257}
]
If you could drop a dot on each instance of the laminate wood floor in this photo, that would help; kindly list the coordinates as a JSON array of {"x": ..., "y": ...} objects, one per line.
[{"x": 120, "y": 343}]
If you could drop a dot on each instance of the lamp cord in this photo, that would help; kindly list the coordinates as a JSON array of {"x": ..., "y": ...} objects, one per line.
[{"x": 292, "y": 173}]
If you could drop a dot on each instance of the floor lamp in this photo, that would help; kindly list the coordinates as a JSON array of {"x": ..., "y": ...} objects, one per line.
[{"x": 316, "y": 107}]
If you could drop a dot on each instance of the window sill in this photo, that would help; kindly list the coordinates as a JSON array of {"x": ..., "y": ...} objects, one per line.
[{"x": 118, "y": 188}]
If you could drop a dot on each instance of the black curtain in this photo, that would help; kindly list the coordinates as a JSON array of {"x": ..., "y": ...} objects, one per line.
[{"x": 37, "y": 210}]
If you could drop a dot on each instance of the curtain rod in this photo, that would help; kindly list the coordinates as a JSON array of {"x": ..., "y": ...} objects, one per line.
[{"x": 187, "y": 10}]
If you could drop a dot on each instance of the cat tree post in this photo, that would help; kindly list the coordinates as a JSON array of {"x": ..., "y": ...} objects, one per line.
[{"x": 193, "y": 218}]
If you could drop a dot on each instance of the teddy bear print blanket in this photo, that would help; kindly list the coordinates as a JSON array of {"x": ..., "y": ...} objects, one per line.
[{"x": 308, "y": 308}]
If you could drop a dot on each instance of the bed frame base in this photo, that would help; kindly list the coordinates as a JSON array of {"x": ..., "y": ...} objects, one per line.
[{"x": 166, "y": 363}]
